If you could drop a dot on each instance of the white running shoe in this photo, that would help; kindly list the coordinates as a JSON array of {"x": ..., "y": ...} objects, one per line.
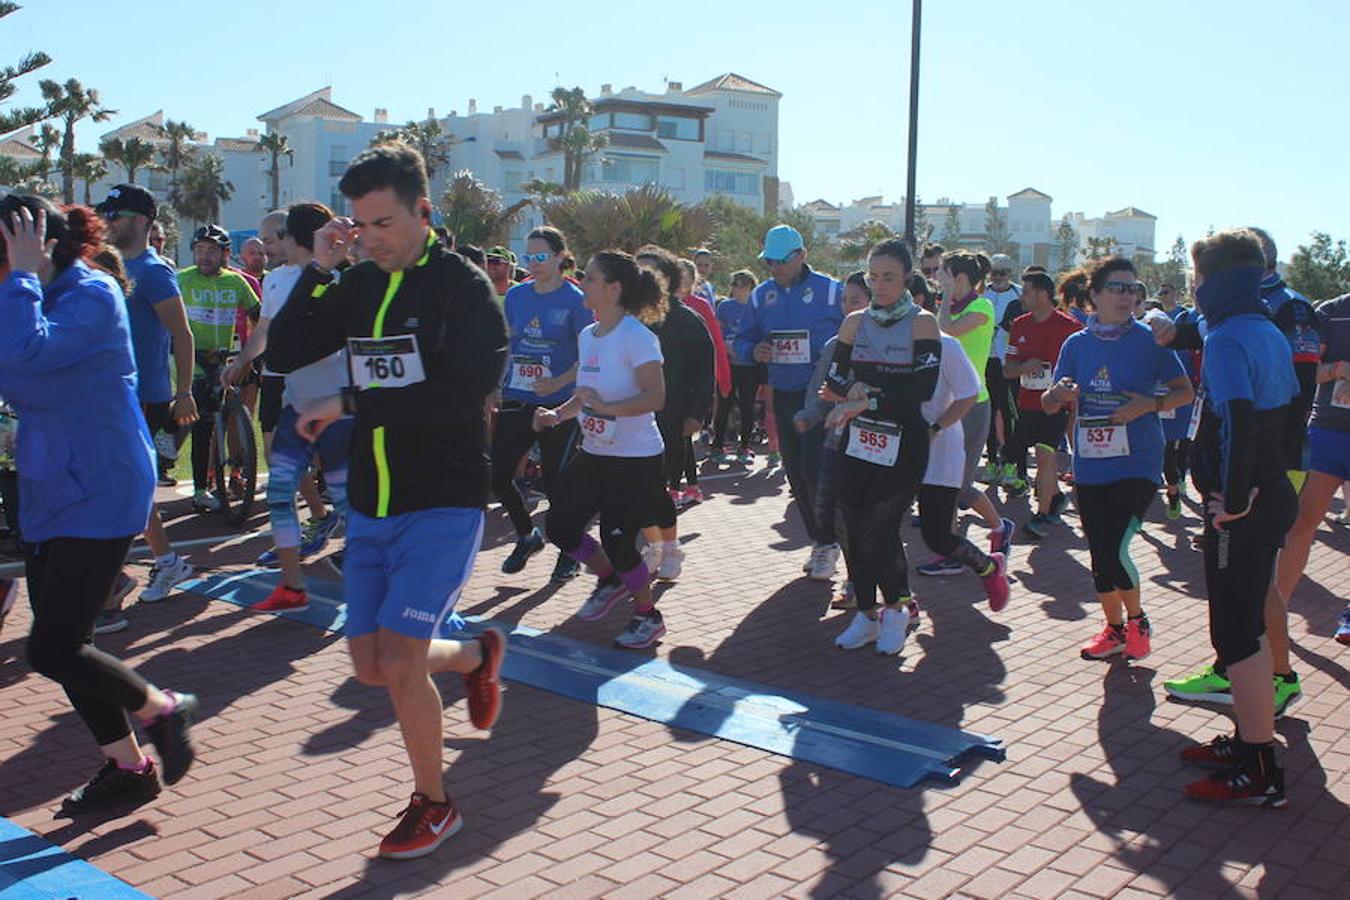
[
  {"x": 893, "y": 631},
  {"x": 860, "y": 632},
  {"x": 672, "y": 563},
  {"x": 166, "y": 446},
  {"x": 824, "y": 562},
  {"x": 163, "y": 578}
]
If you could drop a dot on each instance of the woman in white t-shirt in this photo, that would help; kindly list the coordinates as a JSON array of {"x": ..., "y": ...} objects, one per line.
[
  {"x": 958, "y": 387},
  {"x": 620, "y": 386}
]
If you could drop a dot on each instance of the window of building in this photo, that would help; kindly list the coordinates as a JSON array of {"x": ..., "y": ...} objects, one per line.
[
  {"x": 620, "y": 169},
  {"x": 337, "y": 202},
  {"x": 599, "y": 121},
  {"x": 675, "y": 179},
  {"x": 512, "y": 179},
  {"x": 677, "y": 128},
  {"x": 719, "y": 181},
  {"x": 630, "y": 121}
]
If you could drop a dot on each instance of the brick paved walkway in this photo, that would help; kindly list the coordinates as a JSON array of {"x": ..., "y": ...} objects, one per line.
[{"x": 301, "y": 769}]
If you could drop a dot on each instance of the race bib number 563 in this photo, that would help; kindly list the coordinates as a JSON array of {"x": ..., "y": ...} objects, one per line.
[
  {"x": 874, "y": 441},
  {"x": 391, "y": 362}
]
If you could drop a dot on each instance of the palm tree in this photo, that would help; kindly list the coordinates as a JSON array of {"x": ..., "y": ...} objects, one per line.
[
  {"x": 427, "y": 138},
  {"x": 90, "y": 167},
  {"x": 18, "y": 118},
  {"x": 474, "y": 213},
  {"x": 72, "y": 102},
  {"x": 15, "y": 174},
  {"x": 576, "y": 142},
  {"x": 177, "y": 151},
  {"x": 276, "y": 145},
  {"x": 204, "y": 189},
  {"x": 855, "y": 243},
  {"x": 133, "y": 154},
  {"x": 594, "y": 220}
]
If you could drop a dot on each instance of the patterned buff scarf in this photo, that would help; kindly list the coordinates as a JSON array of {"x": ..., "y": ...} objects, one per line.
[
  {"x": 896, "y": 312},
  {"x": 1108, "y": 332}
]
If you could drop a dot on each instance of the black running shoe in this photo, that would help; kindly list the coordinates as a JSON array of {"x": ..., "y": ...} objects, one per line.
[
  {"x": 565, "y": 569},
  {"x": 172, "y": 737},
  {"x": 526, "y": 547},
  {"x": 113, "y": 787}
]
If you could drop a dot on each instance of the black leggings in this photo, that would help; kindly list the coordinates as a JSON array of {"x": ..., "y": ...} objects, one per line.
[
  {"x": 69, "y": 580},
  {"x": 206, "y": 394},
  {"x": 606, "y": 485},
  {"x": 874, "y": 501},
  {"x": 1112, "y": 515},
  {"x": 1175, "y": 458},
  {"x": 512, "y": 438},
  {"x": 1002, "y": 404},
  {"x": 745, "y": 381},
  {"x": 660, "y": 509},
  {"x": 688, "y": 465},
  {"x": 937, "y": 510}
]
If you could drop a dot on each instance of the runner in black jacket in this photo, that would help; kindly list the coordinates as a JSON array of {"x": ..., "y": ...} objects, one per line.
[{"x": 426, "y": 343}]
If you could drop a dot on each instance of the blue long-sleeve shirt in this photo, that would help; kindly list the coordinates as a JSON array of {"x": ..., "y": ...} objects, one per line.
[
  {"x": 797, "y": 319},
  {"x": 85, "y": 460}
]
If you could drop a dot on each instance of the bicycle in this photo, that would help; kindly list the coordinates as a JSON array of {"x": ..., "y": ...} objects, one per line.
[{"x": 234, "y": 457}]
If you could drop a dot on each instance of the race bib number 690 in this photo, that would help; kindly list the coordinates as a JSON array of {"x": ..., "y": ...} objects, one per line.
[{"x": 391, "y": 362}]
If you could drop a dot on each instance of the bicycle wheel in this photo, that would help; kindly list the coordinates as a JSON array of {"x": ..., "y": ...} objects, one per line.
[{"x": 241, "y": 488}]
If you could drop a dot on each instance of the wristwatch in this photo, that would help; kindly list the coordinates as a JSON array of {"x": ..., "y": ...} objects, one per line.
[
  {"x": 1158, "y": 404},
  {"x": 935, "y": 426},
  {"x": 182, "y": 395}
]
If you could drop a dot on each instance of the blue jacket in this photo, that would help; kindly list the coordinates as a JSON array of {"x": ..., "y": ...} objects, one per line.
[
  {"x": 811, "y": 305},
  {"x": 1248, "y": 377},
  {"x": 86, "y": 464}
]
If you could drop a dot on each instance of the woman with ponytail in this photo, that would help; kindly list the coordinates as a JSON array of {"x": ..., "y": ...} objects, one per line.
[
  {"x": 620, "y": 387},
  {"x": 86, "y": 480}
]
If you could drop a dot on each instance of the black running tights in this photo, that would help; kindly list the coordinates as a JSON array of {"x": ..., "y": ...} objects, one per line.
[{"x": 69, "y": 580}]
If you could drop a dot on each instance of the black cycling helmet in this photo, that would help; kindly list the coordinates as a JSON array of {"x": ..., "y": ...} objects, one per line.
[{"x": 212, "y": 234}]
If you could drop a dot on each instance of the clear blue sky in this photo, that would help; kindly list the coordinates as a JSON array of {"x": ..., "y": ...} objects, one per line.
[{"x": 1202, "y": 112}]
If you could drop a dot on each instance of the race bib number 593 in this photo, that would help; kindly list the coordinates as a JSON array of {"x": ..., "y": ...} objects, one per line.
[{"x": 391, "y": 362}]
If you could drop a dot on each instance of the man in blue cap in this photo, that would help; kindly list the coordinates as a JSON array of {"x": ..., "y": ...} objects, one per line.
[{"x": 791, "y": 316}]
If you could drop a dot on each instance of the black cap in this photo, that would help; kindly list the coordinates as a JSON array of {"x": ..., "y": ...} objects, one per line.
[
  {"x": 211, "y": 234},
  {"x": 129, "y": 197}
]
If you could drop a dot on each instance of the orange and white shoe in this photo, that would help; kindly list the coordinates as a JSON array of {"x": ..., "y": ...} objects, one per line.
[
  {"x": 424, "y": 826},
  {"x": 284, "y": 599},
  {"x": 483, "y": 684}
]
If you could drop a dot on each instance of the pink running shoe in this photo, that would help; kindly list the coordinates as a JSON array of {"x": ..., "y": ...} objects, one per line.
[
  {"x": 1110, "y": 642},
  {"x": 1137, "y": 632},
  {"x": 996, "y": 583}
]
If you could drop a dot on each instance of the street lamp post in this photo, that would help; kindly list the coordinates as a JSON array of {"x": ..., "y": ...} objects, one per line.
[{"x": 913, "y": 123}]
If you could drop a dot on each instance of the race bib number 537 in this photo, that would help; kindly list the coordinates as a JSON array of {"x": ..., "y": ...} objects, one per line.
[
  {"x": 391, "y": 362},
  {"x": 1100, "y": 439}
]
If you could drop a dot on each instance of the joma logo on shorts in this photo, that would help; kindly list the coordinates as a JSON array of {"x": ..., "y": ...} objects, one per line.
[{"x": 419, "y": 615}]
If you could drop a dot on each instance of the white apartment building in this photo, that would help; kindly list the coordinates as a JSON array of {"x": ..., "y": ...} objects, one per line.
[
  {"x": 719, "y": 137},
  {"x": 1030, "y": 221}
]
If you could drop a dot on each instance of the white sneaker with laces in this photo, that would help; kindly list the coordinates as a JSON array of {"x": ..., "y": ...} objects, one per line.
[
  {"x": 893, "y": 631},
  {"x": 824, "y": 562},
  {"x": 810, "y": 565},
  {"x": 163, "y": 578},
  {"x": 672, "y": 563},
  {"x": 860, "y": 632}
]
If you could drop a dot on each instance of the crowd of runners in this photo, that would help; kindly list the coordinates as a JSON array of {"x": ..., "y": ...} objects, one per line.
[{"x": 401, "y": 383}]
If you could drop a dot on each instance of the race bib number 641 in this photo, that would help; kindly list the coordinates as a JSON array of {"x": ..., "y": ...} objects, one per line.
[{"x": 391, "y": 362}]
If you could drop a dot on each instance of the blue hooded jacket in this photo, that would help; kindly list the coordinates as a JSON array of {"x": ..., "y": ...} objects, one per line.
[
  {"x": 811, "y": 305},
  {"x": 1248, "y": 378},
  {"x": 86, "y": 464}
]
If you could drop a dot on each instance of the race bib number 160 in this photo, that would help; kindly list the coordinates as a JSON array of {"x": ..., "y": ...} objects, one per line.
[{"x": 391, "y": 362}]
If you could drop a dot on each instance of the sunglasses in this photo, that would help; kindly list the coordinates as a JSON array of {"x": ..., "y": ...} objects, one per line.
[
  {"x": 929, "y": 272},
  {"x": 779, "y": 262},
  {"x": 116, "y": 214},
  {"x": 1125, "y": 287},
  {"x": 281, "y": 234},
  {"x": 528, "y": 258}
]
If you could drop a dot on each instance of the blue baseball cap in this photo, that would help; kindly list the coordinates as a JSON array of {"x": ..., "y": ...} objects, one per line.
[{"x": 780, "y": 242}]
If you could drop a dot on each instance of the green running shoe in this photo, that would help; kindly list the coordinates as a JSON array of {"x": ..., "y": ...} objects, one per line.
[
  {"x": 1174, "y": 507},
  {"x": 1007, "y": 474},
  {"x": 1203, "y": 685},
  {"x": 1287, "y": 690}
]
